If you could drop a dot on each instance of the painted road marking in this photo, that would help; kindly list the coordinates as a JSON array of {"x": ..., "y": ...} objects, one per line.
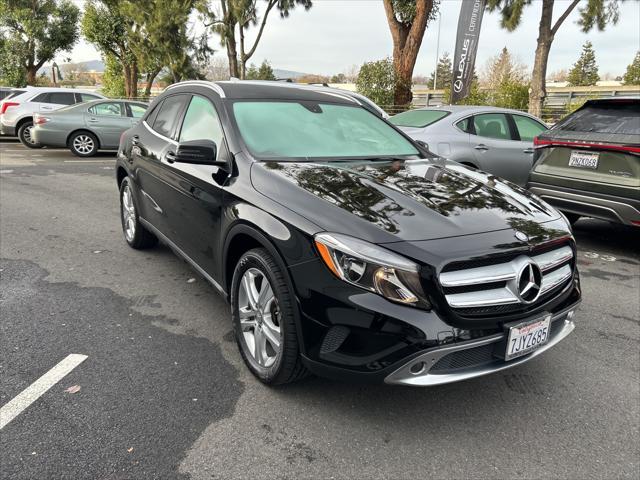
[
  {"x": 34, "y": 391},
  {"x": 90, "y": 161}
]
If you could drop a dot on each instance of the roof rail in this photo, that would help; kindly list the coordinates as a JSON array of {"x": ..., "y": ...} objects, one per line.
[{"x": 203, "y": 83}]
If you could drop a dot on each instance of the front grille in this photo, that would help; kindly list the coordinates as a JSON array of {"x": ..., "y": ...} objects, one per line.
[{"x": 507, "y": 285}]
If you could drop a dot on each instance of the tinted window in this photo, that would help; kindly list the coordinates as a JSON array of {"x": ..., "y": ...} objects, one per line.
[
  {"x": 605, "y": 118},
  {"x": 14, "y": 93},
  {"x": 61, "y": 98},
  {"x": 113, "y": 109},
  {"x": 87, "y": 97},
  {"x": 167, "y": 116},
  {"x": 528, "y": 127},
  {"x": 43, "y": 97},
  {"x": 307, "y": 130},
  {"x": 137, "y": 111},
  {"x": 492, "y": 125},
  {"x": 418, "y": 118},
  {"x": 465, "y": 125},
  {"x": 201, "y": 122},
  {"x": 4, "y": 94}
]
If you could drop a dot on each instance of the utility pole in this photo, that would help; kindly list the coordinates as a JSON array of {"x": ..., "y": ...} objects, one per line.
[{"x": 435, "y": 75}]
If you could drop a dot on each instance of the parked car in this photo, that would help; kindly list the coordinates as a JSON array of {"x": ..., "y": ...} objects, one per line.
[
  {"x": 589, "y": 163},
  {"x": 87, "y": 127},
  {"x": 16, "y": 113},
  {"x": 496, "y": 140},
  {"x": 5, "y": 95},
  {"x": 5, "y": 92},
  {"x": 344, "y": 247}
]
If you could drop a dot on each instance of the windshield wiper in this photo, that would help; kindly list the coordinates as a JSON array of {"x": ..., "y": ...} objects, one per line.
[{"x": 382, "y": 158}]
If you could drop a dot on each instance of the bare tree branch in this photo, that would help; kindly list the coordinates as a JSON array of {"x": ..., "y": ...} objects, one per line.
[{"x": 564, "y": 16}]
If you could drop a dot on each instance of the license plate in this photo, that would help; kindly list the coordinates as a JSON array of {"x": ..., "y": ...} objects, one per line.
[
  {"x": 584, "y": 159},
  {"x": 526, "y": 337}
]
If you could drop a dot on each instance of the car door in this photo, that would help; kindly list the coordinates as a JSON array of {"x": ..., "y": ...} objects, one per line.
[
  {"x": 107, "y": 120},
  {"x": 196, "y": 190},
  {"x": 150, "y": 142},
  {"x": 526, "y": 129},
  {"x": 494, "y": 147}
]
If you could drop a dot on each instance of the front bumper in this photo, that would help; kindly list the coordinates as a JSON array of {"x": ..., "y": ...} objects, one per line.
[
  {"x": 589, "y": 204},
  {"x": 471, "y": 359}
]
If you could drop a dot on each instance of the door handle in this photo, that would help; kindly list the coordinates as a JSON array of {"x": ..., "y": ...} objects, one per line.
[
  {"x": 135, "y": 140},
  {"x": 528, "y": 150},
  {"x": 481, "y": 146},
  {"x": 93, "y": 120},
  {"x": 170, "y": 156}
]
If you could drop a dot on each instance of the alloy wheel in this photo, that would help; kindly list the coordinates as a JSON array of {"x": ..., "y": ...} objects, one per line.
[
  {"x": 83, "y": 144},
  {"x": 259, "y": 318},
  {"x": 128, "y": 214},
  {"x": 26, "y": 134}
]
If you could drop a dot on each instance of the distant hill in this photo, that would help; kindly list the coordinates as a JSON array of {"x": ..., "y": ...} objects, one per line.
[{"x": 88, "y": 66}]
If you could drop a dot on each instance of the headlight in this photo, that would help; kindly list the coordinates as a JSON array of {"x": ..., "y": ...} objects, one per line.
[{"x": 372, "y": 268}]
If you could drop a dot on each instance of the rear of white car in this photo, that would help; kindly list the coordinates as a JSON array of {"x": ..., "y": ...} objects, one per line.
[{"x": 16, "y": 113}]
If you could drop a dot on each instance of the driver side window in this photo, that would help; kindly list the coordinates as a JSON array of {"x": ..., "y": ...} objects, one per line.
[
  {"x": 201, "y": 122},
  {"x": 492, "y": 125}
]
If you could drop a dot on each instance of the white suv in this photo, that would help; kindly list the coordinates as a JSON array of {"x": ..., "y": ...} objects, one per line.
[{"x": 16, "y": 113}]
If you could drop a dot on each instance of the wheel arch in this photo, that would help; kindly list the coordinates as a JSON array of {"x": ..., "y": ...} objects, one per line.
[{"x": 22, "y": 121}]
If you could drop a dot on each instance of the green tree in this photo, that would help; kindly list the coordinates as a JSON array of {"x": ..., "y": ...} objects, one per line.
[
  {"x": 35, "y": 31},
  {"x": 444, "y": 71},
  {"x": 113, "y": 34},
  {"x": 113, "y": 78},
  {"x": 339, "y": 78},
  {"x": 12, "y": 73},
  {"x": 235, "y": 17},
  {"x": 632, "y": 75},
  {"x": 407, "y": 21},
  {"x": 593, "y": 13},
  {"x": 265, "y": 72},
  {"x": 377, "y": 80},
  {"x": 585, "y": 70}
]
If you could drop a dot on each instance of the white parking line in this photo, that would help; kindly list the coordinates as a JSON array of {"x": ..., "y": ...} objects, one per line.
[
  {"x": 90, "y": 161},
  {"x": 34, "y": 391}
]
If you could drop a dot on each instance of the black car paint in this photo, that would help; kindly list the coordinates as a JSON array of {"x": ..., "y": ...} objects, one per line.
[{"x": 211, "y": 214}]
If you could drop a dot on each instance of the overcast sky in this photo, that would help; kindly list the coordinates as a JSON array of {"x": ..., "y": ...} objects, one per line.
[{"x": 336, "y": 34}]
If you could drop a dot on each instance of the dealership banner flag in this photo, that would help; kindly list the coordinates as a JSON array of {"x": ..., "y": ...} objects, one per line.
[{"x": 466, "y": 47}]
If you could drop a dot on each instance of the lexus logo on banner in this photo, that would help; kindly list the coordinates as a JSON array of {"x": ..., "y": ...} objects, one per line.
[{"x": 466, "y": 47}]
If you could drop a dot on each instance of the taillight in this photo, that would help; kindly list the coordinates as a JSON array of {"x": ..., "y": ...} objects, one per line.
[
  {"x": 6, "y": 105},
  {"x": 38, "y": 120},
  {"x": 542, "y": 142}
]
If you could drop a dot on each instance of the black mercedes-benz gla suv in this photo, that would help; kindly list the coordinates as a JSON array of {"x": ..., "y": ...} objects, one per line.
[{"x": 345, "y": 248}]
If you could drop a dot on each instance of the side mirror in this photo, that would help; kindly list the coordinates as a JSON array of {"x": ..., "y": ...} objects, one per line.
[{"x": 201, "y": 152}]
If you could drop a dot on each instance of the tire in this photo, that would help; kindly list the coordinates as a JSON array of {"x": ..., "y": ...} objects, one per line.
[
  {"x": 271, "y": 317},
  {"x": 135, "y": 234},
  {"x": 83, "y": 144},
  {"x": 24, "y": 135},
  {"x": 572, "y": 217}
]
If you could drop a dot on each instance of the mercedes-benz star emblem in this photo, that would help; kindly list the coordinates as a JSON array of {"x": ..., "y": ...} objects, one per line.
[
  {"x": 523, "y": 237},
  {"x": 529, "y": 282}
]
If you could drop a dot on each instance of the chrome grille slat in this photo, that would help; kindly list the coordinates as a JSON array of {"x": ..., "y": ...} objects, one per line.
[{"x": 482, "y": 290}]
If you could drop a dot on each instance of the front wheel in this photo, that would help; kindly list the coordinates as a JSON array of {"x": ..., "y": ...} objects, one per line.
[
  {"x": 263, "y": 319},
  {"x": 24, "y": 135}
]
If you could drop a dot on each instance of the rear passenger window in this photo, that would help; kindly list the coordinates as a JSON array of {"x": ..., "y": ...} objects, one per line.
[
  {"x": 87, "y": 97},
  {"x": 61, "y": 98},
  {"x": 492, "y": 125},
  {"x": 137, "y": 111},
  {"x": 201, "y": 122},
  {"x": 43, "y": 98},
  {"x": 167, "y": 116},
  {"x": 528, "y": 127}
]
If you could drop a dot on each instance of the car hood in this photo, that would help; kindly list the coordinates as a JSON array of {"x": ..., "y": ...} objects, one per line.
[{"x": 391, "y": 201}]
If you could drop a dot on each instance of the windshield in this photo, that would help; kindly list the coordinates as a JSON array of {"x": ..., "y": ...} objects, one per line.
[
  {"x": 418, "y": 118},
  {"x": 307, "y": 130}
]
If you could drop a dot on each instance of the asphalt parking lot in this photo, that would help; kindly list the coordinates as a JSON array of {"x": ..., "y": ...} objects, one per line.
[{"x": 163, "y": 392}]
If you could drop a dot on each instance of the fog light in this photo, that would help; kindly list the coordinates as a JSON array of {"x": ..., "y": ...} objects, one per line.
[{"x": 417, "y": 368}]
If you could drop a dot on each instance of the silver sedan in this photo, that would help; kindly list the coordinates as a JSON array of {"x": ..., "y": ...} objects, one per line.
[
  {"x": 87, "y": 127},
  {"x": 496, "y": 140}
]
